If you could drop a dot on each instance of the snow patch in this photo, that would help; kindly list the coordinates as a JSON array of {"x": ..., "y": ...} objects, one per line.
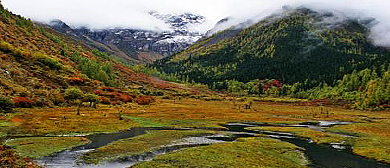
[{"x": 180, "y": 39}]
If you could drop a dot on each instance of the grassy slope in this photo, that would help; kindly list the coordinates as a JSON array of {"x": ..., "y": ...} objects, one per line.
[{"x": 25, "y": 74}]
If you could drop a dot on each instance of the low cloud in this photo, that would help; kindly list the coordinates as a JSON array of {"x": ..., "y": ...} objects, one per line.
[{"x": 102, "y": 14}]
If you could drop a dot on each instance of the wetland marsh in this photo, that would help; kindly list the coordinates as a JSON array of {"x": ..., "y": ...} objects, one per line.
[{"x": 276, "y": 135}]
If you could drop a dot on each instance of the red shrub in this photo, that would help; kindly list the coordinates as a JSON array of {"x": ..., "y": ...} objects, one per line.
[
  {"x": 99, "y": 92},
  {"x": 125, "y": 98},
  {"x": 23, "y": 102},
  {"x": 104, "y": 100},
  {"x": 271, "y": 83},
  {"x": 145, "y": 100}
]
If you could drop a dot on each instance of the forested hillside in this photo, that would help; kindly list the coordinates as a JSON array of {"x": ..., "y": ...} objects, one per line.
[{"x": 296, "y": 47}]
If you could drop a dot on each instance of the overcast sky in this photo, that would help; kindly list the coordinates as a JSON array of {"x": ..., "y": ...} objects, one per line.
[{"x": 99, "y": 14}]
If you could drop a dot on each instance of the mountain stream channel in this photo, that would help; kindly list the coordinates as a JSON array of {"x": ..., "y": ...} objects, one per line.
[{"x": 319, "y": 155}]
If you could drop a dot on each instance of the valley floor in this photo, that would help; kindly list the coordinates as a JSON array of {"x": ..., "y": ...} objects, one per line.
[{"x": 39, "y": 132}]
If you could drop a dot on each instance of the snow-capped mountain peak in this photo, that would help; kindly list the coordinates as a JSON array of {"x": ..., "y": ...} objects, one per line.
[
  {"x": 182, "y": 33},
  {"x": 179, "y": 22},
  {"x": 182, "y": 26}
]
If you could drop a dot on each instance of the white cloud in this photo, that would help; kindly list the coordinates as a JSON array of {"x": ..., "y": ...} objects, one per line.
[{"x": 101, "y": 14}]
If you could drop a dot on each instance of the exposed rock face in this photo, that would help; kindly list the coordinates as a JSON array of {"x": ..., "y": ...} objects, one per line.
[{"x": 134, "y": 43}]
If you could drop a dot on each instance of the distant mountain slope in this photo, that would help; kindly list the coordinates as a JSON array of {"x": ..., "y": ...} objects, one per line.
[
  {"x": 296, "y": 46},
  {"x": 38, "y": 64},
  {"x": 139, "y": 46}
]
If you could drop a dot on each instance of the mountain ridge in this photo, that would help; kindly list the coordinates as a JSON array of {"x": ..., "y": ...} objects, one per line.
[
  {"x": 140, "y": 46},
  {"x": 293, "y": 47}
]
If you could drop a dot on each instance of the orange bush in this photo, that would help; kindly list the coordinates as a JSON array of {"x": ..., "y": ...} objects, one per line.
[
  {"x": 125, "y": 98},
  {"x": 23, "y": 102},
  {"x": 76, "y": 81},
  {"x": 145, "y": 100},
  {"x": 97, "y": 82}
]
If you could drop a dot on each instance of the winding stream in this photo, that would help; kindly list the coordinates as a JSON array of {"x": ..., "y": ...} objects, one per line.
[
  {"x": 68, "y": 158},
  {"x": 319, "y": 155}
]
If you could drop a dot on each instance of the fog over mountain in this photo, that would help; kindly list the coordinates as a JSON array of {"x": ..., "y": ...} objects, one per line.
[{"x": 103, "y": 14}]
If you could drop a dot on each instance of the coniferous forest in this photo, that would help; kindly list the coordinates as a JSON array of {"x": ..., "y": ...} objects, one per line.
[{"x": 302, "y": 51}]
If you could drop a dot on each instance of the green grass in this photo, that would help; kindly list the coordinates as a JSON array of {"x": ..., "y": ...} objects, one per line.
[
  {"x": 139, "y": 144},
  {"x": 375, "y": 147},
  {"x": 5, "y": 124},
  {"x": 38, "y": 147},
  {"x": 247, "y": 152},
  {"x": 280, "y": 99}
]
